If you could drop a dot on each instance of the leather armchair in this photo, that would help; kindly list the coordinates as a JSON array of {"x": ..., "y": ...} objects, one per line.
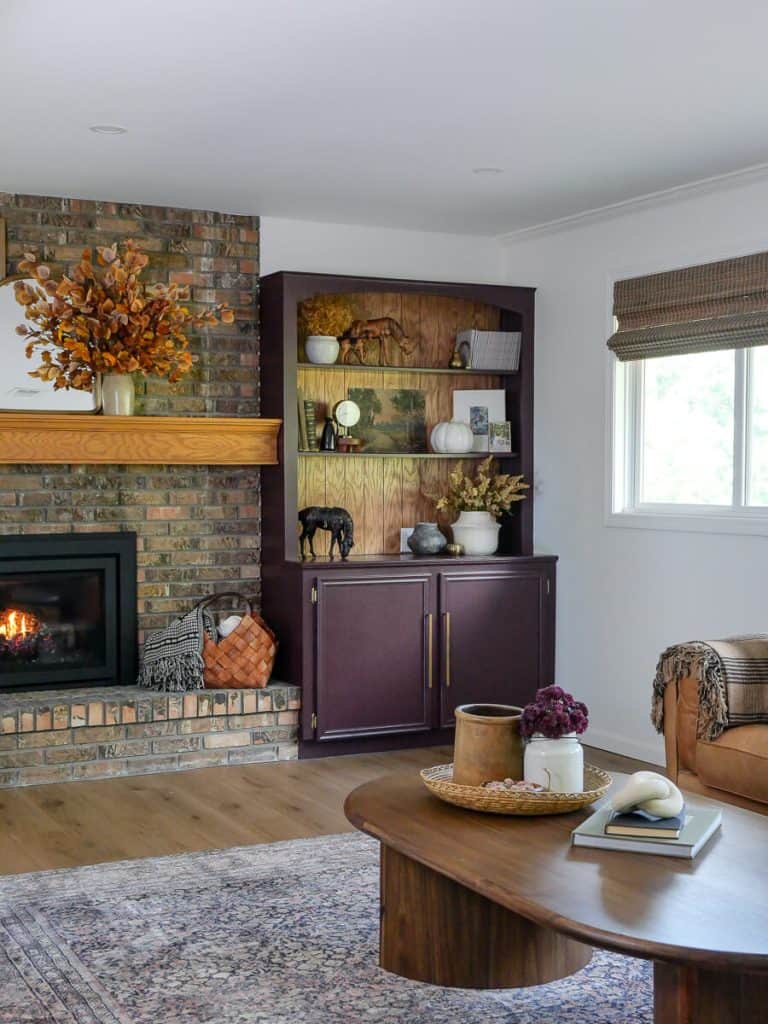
[{"x": 734, "y": 767}]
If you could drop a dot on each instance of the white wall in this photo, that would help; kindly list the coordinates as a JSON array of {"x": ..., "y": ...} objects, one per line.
[
  {"x": 625, "y": 594},
  {"x": 378, "y": 252}
]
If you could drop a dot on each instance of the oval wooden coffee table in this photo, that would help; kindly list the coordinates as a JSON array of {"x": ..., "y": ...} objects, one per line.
[{"x": 484, "y": 901}]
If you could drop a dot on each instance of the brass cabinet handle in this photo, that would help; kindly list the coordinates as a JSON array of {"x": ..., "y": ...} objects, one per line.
[
  {"x": 447, "y": 620},
  {"x": 429, "y": 650}
]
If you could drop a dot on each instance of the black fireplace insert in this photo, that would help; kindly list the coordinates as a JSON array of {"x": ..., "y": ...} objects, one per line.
[{"x": 67, "y": 610}]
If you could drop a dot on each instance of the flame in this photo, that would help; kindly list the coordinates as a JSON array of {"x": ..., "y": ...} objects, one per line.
[{"x": 18, "y": 625}]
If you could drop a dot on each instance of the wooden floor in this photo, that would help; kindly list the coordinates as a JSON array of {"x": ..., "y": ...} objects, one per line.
[{"x": 77, "y": 823}]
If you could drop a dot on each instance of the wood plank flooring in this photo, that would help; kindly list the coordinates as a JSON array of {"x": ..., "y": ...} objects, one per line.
[{"x": 78, "y": 823}]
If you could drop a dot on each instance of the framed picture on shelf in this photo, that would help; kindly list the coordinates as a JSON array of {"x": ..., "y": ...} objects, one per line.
[
  {"x": 405, "y": 533},
  {"x": 500, "y": 437},
  {"x": 478, "y": 408},
  {"x": 392, "y": 420}
]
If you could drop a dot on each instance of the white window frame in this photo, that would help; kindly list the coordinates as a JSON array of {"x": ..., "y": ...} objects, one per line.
[{"x": 624, "y": 419}]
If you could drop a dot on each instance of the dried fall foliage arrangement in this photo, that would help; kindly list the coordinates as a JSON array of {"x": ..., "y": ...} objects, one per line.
[
  {"x": 102, "y": 319},
  {"x": 324, "y": 315},
  {"x": 486, "y": 492}
]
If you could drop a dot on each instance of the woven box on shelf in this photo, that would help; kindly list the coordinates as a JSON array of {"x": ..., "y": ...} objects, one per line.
[{"x": 245, "y": 658}]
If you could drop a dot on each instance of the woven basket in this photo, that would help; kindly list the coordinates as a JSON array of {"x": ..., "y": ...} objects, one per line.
[
  {"x": 245, "y": 658},
  {"x": 439, "y": 780}
]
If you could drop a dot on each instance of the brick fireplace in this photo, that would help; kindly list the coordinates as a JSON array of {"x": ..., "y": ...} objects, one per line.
[{"x": 197, "y": 527}]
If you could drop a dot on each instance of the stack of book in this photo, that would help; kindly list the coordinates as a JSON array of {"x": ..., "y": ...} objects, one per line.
[
  {"x": 638, "y": 832},
  {"x": 489, "y": 350}
]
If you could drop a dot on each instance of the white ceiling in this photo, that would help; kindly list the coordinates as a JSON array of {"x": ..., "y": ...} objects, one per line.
[{"x": 376, "y": 111}]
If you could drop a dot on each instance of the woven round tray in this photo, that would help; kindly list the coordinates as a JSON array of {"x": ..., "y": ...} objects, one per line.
[{"x": 439, "y": 780}]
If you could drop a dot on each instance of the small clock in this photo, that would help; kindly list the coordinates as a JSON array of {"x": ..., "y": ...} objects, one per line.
[{"x": 347, "y": 413}]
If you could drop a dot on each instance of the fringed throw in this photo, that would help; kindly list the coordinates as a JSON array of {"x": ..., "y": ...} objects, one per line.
[
  {"x": 173, "y": 658},
  {"x": 733, "y": 681}
]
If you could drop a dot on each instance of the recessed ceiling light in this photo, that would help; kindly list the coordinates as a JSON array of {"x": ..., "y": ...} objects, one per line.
[
  {"x": 487, "y": 170},
  {"x": 107, "y": 129}
]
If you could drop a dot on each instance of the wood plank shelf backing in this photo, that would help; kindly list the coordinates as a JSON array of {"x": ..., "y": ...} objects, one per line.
[
  {"x": 381, "y": 494},
  {"x": 142, "y": 440}
]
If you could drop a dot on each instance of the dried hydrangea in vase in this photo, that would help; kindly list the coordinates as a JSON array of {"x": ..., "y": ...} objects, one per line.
[
  {"x": 480, "y": 500},
  {"x": 102, "y": 322},
  {"x": 553, "y": 756}
]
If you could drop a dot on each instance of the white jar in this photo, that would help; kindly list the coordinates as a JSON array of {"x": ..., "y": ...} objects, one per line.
[
  {"x": 558, "y": 765},
  {"x": 477, "y": 532},
  {"x": 322, "y": 349}
]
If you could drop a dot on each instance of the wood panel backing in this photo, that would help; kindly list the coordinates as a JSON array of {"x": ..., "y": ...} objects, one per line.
[{"x": 381, "y": 494}]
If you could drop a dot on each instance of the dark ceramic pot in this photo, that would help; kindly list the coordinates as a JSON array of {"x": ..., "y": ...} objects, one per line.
[{"x": 426, "y": 539}]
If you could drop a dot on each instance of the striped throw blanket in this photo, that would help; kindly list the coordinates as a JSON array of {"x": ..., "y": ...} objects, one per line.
[{"x": 733, "y": 681}]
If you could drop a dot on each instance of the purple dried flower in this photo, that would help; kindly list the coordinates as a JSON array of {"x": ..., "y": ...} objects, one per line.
[{"x": 553, "y": 714}]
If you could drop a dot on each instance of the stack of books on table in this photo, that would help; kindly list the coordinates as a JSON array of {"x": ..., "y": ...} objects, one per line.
[
  {"x": 489, "y": 350},
  {"x": 637, "y": 832}
]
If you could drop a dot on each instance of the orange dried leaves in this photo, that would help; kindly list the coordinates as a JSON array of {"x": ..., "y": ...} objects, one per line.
[{"x": 103, "y": 319}]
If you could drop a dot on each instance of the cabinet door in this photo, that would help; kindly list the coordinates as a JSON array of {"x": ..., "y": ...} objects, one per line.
[
  {"x": 374, "y": 654},
  {"x": 496, "y": 638}
]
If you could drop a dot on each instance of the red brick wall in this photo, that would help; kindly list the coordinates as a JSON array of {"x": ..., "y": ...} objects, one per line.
[{"x": 198, "y": 526}]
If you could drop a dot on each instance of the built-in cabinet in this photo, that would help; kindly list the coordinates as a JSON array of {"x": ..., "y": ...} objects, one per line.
[{"x": 387, "y": 645}]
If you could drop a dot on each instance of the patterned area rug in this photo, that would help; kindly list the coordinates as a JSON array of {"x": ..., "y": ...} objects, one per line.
[{"x": 278, "y": 934}]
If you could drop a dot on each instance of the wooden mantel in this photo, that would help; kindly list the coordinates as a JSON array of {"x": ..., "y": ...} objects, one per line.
[{"x": 173, "y": 440}]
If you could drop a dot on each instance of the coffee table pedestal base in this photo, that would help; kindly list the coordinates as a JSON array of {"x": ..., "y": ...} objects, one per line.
[
  {"x": 435, "y": 930},
  {"x": 687, "y": 995}
]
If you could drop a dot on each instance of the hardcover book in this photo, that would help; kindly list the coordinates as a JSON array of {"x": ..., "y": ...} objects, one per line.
[
  {"x": 700, "y": 825},
  {"x": 645, "y": 826}
]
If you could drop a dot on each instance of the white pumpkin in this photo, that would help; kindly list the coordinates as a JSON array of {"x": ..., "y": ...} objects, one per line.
[{"x": 452, "y": 438}]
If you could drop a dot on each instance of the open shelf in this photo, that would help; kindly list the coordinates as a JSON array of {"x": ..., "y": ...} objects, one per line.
[
  {"x": 359, "y": 368},
  {"x": 407, "y": 455}
]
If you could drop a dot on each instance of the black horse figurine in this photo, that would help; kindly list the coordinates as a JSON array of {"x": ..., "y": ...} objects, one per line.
[{"x": 337, "y": 520}]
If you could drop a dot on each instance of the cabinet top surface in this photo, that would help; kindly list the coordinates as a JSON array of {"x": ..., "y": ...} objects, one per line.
[
  {"x": 647, "y": 906},
  {"x": 446, "y": 562}
]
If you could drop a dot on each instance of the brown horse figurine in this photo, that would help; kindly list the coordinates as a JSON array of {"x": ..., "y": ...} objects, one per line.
[{"x": 361, "y": 336}]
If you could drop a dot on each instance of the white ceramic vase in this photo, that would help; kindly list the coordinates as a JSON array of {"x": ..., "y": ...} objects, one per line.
[
  {"x": 322, "y": 349},
  {"x": 118, "y": 394},
  {"x": 558, "y": 765},
  {"x": 477, "y": 532},
  {"x": 452, "y": 437}
]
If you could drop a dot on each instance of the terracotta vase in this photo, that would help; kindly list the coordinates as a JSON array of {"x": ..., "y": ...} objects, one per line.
[{"x": 488, "y": 744}]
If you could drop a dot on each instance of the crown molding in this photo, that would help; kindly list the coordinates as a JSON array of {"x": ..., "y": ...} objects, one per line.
[{"x": 704, "y": 186}]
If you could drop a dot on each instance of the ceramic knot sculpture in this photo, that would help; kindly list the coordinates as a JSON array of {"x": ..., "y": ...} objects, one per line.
[{"x": 649, "y": 792}]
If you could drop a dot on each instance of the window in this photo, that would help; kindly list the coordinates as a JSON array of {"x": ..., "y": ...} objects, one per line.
[{"x": 690, "y": 423}]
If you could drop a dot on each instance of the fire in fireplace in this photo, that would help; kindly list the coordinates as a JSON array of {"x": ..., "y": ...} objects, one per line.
[{"x": 67, "y": 610}]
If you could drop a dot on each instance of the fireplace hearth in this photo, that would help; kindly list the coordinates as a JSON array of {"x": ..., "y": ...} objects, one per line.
[{"x": 67, "y": 610}]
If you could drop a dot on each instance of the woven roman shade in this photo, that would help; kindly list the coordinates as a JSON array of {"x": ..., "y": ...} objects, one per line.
[{"x": 714, "y": 306}]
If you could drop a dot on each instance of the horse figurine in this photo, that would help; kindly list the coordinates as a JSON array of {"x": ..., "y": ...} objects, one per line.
[
  {"x": 362, "y": 336},
  {"x": 337, "y": 520}
]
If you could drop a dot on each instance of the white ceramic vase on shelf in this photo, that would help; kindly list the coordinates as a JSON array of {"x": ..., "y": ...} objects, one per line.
[
  {"x": 118, "y": 394},
  {"x": 477, "y": 532},
  {"x": 322, "y": 349},
  {"x": 558, "y": 765}
]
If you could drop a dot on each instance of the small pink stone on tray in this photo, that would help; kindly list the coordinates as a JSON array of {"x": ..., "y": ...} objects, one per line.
[{"x": 514, "y": 786}]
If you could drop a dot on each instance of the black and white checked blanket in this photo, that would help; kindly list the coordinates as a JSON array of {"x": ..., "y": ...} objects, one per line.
[{"x": 173, "y": 657}]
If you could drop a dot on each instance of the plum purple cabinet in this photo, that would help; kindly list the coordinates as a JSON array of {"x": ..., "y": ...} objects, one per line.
[
  {"x": 374, "y": 655},
  {"x": 494, "y": 645},
  {"x": 388, "y": 651}
]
